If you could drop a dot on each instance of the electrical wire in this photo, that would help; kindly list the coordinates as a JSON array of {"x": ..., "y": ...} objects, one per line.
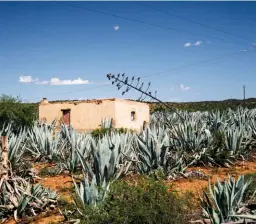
[
  {"x": 160, "y": 26},
  {"x": 145, "y": 23},
  {"x": 193, "y": 21}
]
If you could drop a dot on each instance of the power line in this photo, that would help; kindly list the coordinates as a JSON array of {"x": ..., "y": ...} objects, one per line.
[
  {"x": 146, "y": 23},
  {"x": 163, "y": 73},
  {"x": 194, "y": 64},
  {"x": 193, "y": 21},
  {"x": 158, "y": 73}
]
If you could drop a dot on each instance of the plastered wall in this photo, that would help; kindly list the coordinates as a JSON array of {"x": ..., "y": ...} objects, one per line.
[{"x": 86, "y": 116}]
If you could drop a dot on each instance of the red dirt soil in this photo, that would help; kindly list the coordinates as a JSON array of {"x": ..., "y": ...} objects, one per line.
[{"x": 62, "y": 183}]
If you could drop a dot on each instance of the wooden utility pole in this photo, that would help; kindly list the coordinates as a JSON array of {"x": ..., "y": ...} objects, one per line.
[{"x": 4, "y": 157}]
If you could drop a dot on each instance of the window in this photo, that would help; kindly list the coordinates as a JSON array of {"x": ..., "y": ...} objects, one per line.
[{"x": 133, "y": 115}]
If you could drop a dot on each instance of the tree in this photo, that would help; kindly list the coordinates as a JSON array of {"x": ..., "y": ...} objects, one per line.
[{"x": 13, "y": 109}]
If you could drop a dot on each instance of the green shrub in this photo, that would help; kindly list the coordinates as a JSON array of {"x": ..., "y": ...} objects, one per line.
[
  {"x": 147, "y": 203},
  {"x": 12, "y": 109},
  {"x": 100, "y": 132}
]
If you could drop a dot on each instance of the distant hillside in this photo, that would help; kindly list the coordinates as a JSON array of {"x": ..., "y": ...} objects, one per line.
[
  {"x": 203, "y": 105},
  {"x": 206, "y": 105}
]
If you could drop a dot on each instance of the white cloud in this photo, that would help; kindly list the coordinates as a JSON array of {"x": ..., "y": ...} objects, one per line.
[
  {"x": 245, "y": 50},
  {"x": 116, "y": 27},
  {"x": 198, "y": 43},
  {"x": 27, "y": 79},
  {"x": 184, "y": 88},
  {"x": 57, "y": 81},
  {"x": 53, "y": 81},
  {"x": 188, "y": 44}
]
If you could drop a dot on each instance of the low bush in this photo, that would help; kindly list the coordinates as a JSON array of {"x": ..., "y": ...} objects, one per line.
[
  {"x": 149, "y": 202},
  {"x": 100, "y": 132},
  {"x": 14, "y": 110}
]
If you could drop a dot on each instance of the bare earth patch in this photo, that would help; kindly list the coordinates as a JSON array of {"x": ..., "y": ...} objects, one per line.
[{"x": 63, "y": 184}]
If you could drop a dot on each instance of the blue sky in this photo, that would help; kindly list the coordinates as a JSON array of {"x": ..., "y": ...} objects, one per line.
[{"x": 58, "y": 51}]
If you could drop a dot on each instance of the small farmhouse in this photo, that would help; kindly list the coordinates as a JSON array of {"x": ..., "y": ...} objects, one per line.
[{"x": 86, "y": 115}]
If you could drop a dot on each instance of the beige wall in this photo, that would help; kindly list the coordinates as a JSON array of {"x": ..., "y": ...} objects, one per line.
[
  {"x": 83, "y": 116},
  {"x": 123, "y": 114},
  {"x": 86, "y": 116}
]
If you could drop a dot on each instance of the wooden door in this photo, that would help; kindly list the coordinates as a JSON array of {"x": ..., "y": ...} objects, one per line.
[{"x": 66, "y": 117}]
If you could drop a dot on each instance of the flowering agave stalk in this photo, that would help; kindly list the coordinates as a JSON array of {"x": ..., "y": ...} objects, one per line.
[{"x": 223, "y": 202}]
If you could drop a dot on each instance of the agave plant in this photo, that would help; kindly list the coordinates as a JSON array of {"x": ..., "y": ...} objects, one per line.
[
  {"x": 6, "y": 129},
  {"x": 78, "y": 143},
  {"x": 191, "y": 137},
  {"x": 215, "y": 154},
  {"x": 216, "y": 121},
  {"x": 153, "y": 145},
  {"x": 237, "y": 141},
  {"x": 154, "y": 153},
  {"x": 107, "y": 123},
  {"x": 66, "y": 131},
  {"x": 16, "y": 148},
  {"x": 223, "y": 202},
  {"x": 107, "y": 154},
  {"x": 19, "y": 198},
  {"x": 89, "y": 193},
  {"x": 46, "y": 125},
  {"x": 43, "y": 144}
]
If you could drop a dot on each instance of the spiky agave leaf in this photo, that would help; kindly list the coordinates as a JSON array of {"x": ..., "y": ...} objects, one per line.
[
  {"x": 19, "y": 198},
  {"x": 77, "y": 143},
  {"x": 89, "y": 193},
  {"x": 224, "y": 200}
]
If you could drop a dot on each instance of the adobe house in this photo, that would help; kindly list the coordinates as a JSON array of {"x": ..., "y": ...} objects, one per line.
[{"x": 86, "y": 115}]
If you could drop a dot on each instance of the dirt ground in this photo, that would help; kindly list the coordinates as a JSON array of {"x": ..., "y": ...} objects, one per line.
[{"x": 63, "y": 184}]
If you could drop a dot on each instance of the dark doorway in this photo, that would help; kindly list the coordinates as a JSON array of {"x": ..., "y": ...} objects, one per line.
[{"x": 66, "y": 117}]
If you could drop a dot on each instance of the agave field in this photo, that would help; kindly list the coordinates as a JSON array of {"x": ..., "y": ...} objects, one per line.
[{"x": 169, "y": 147}]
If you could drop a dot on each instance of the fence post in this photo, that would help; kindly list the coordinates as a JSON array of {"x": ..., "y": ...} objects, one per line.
[{"x": 4, "y": 156}]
